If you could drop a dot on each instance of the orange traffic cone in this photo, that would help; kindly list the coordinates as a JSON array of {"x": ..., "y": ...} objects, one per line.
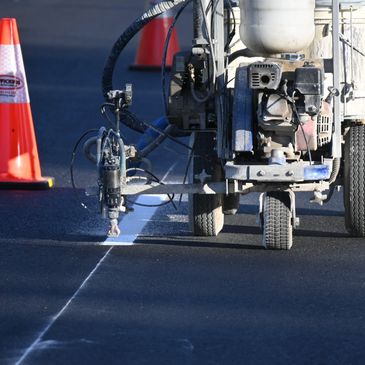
[
  {"x": 152, "y": 42},
  {"x": 19, "y": 162}
]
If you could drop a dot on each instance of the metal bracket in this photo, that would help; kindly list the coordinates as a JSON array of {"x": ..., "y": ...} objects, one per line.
[
  {"x": 260, "y": 215},
  {"x": 293, "y": 172},
  {"x": 295, "y": 219},
  {"x": 318, "y": 197},
  {"x": 206, "y": 188},
  {"x": 336, "y": 144},
  {"x": 203, "y": 176}
]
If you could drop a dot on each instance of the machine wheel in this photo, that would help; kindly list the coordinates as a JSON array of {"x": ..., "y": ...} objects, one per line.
[
  {"x": 205, "y": 211},
  {"x": 277, "y": 221},
  {"x": 354, "y": 180},
  {"x": 231, "y": 203},
  {"x": 206, "y": 215}
]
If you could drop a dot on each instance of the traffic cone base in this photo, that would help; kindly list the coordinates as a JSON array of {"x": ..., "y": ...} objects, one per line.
[
  {"x": 19, "y": 165},
  {"x": 19, "y": 161},
  {"x": 45, "y": 184}
]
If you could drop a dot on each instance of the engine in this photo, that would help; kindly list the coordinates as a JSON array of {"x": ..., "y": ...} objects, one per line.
[{"x": 291, "y": 116}]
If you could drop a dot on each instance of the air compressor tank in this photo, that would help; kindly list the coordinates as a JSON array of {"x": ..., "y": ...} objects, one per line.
[{"x": 271, "y": 27}]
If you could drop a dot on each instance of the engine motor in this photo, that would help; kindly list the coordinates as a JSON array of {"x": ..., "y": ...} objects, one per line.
[{"x": 291, "y": 115}]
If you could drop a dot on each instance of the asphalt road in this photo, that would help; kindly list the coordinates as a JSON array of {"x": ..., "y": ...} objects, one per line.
[{"x": 170, "y": 298}]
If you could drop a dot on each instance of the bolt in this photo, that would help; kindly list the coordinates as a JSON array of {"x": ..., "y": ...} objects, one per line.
[
  {"x": 261, "y": 173},
  {"x": 290, "y": 173}
]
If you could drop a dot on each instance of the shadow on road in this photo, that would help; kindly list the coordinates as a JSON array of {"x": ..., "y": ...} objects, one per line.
[{"x": 55, "y": 215}]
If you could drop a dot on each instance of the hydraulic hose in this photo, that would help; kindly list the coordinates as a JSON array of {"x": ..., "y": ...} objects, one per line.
[
  {"x": 242, "y": 53},
  {"x": 128, "y": 34},
  {"x": 87, "y": 149},
  {"x": 156, "y": 142},
  {"x": 131, "y": 121},
  {"x": 94, "y": 158}
]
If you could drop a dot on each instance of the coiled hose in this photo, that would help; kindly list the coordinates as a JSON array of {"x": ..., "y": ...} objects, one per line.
[{"x": 128, "y": 34}]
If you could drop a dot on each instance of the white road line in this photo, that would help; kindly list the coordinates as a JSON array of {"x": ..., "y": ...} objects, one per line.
[
  {"x": 133, "y": 223},
  {"x": 131, "y": 233},
  {"x": 34, "y": 345},
  {"x": 169, "y": 170}
]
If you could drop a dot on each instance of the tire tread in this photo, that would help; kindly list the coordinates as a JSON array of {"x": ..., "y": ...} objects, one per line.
[
  {"x": 277, "y": 225},
  {"x": 354, "y": 182}
]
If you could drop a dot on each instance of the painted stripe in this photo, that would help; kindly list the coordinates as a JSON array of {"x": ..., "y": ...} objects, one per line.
[
  {"x": 132, "y": 224},
  {"x": 168, "y": 172},
  {"x": 34, "y": 345}
]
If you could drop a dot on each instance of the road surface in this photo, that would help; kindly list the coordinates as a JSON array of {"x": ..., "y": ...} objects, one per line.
[{"x": 67, "y": 297}]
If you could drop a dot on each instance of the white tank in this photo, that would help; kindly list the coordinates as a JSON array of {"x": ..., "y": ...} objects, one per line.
[{"x": 277, "y": 26}]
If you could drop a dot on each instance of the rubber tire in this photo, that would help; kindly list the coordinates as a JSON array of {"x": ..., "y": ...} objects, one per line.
[
  {"x": 231, "y": 203},
  {"x": 277, "y": 221},
  {"x": 205, "y": 211},
  {"x": 354, "y": 180},
  {"x": 206, "y": 214}
]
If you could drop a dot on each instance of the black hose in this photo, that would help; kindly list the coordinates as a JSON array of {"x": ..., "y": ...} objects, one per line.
[
  {"x": 198, "y": 22},
  {"x": 167, "y": 135},
  {"x": 242, "y": 53},
  {"x": 156, "y": 142},
  {"x": 87, "y": 149},
  {"x": 132, "y": 122},
  {"x": 128, "y": 34},
  {"x": 129, "y": 120},
  {"x": 73, "y": 157}
]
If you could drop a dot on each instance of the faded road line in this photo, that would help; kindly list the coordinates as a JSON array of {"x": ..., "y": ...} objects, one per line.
[
  {"x": 134, "y": 225},
  {"x": 34, "y": 345}
]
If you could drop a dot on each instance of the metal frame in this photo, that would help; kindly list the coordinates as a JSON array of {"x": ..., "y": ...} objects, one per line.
[
  {"x": 287, "y": 181},
  {"x": 224, "y": 187},
  {"x": 337, "y": 136},
  {"x": 219, "y": 41}
]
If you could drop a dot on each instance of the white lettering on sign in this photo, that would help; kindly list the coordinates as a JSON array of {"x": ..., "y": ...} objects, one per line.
[{"x": 13, "y": 83}]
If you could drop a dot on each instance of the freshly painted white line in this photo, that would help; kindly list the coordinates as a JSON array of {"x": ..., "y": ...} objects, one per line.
[
  {"x": 34, "y": 345},
  {"x": 133, "y": 223}
]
